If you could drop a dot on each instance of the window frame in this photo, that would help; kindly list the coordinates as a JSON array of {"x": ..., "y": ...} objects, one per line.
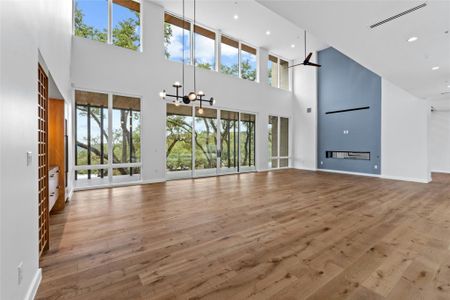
[
  {"x": 109, "y": 33},
  {"x": 109, "y": 166},
  {"x": 278, "y": 63},
  {"x": 218, "y": 44},
  {"x": 278, "y": 157}
]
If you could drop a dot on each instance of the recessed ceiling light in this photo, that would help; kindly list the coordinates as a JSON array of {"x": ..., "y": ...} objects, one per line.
[
  {"x": 413, "y": 39},
  {"x": 435, "y": 68},
  {"x": 448, "y": 86},
  {"x": 236, "y": 17},
  {"x": 268, "y": 32},
  {"x": 292, "y": 46}
]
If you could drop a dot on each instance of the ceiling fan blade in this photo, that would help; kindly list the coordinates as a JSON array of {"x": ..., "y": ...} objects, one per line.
[
  {"x": 296, "y": 65},
  {"x": 314, "y": 65},
  {"x": 308, "y": 57}
]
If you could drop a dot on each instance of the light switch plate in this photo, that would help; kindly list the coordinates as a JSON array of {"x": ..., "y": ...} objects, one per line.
[{"x": 29, "y": 158}]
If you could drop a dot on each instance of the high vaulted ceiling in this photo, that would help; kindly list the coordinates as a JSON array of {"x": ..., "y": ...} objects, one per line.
[
  {"x": 345, "y": 26},
  {"x": 253, "y": 21},
  {"x": 384, "y": 49}
]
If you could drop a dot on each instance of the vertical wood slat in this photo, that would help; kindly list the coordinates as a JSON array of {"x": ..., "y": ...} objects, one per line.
[{"x": 43, "y": 161}]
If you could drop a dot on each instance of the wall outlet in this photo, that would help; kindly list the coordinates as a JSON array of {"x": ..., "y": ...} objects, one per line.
[
  {"x": 308, "y": 110},
  {"x": 20, "y": 273}
]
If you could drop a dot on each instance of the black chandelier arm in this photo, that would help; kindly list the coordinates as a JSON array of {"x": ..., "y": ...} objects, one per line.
[{"x": 174, "y": 96}]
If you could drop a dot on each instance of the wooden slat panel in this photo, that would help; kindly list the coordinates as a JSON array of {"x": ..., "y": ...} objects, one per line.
[
  {"x": 130, "y": 4},
  {"x": 248, "y": 49},
  {"x": 168, "y": 18},
  {"x": 43, "y": 160},
  {"x": 273, "y": 59},
  {"x": 230, "y": 42},
  {"x": 205, "y": 32}
]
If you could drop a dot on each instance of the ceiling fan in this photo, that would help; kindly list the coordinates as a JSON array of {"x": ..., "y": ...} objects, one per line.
[{"x": 306, "y": 61}]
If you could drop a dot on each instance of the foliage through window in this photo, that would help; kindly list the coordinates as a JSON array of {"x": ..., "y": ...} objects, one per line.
[
  {"x": 173, "y": 39},
  {"x": 208, "y": 142},
  {"x": 205, "y": 48},
  {"x": 278, "y": 142},
  {"x": 248, "y": 62},
  {"x": 99, "y": 147},
  {"x": 278, "y": 72},
  {"x": 272, "y": 70},
  {"x": 91, "y": 20},
  {"x": 229, "y": 56}
]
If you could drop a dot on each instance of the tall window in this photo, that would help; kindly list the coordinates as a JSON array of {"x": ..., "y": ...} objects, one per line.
[
  {"x": 278, "y": 142},
  {"x": 107, "y": 151},
  {"x": 91, "y": 20},
  {"x": 248, "y": 62},
  {"x": 205, "y": 48},
  {"x": 173, "y": 39},
  {"x": 126, "y": 25},
  {"x": 126, "y": 134},
  {"x": 247, "y": 140},
  {"x": 229, "y": 56},
  {"x": 179, "y": 139},
  {"x": 272, "y": 70},
  {"x": 284, "y": 74},
  {"x": 278, "y": 72}
]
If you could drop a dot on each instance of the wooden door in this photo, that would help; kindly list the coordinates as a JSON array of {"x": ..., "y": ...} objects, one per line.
[{"x": 43, "y": 160}]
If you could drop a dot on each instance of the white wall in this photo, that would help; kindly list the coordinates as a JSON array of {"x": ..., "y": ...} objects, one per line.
[
  {"x": 404, "y": 135},
  {"x": 101, "y": 67},
  {"x": 439, "y": 148},
  {"x": 21, "y": 39},
  {"x": 305, "y": 124}
]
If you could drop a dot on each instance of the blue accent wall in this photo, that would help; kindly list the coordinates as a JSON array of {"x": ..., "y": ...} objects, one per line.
[{"x": 345, "y": 84}]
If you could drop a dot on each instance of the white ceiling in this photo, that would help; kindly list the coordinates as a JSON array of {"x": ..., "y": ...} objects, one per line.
[
  {"x": 345, "y": 26},
  {"x": 251, "y": 26},
  {"x": 385, "y": 50}
]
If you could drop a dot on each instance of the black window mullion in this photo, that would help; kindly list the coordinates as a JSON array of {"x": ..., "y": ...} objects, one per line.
[{"x": 89, "y": 138}]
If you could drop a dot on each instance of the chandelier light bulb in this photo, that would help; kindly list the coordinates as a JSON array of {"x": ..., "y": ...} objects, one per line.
[
  {"x": 192, "y": 96},
  {"x": 200, "y": 111},
  {"x": 176, "y": 84},
  {"x": 177, "y": 103},
  {"x": 162, "y": 94},
  {"x": 201, "y": 93}
]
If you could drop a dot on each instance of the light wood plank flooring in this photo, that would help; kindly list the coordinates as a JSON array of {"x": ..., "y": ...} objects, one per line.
[{"x": 287, "y": 234}]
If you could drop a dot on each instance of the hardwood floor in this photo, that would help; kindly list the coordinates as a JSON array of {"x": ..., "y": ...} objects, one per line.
[{"x": 282, "y": 235}]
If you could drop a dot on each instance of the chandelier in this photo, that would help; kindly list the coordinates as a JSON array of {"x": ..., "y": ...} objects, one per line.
[{"x": 194, "y": 96}]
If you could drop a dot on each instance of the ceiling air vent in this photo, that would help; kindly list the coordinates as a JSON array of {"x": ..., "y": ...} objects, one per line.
[{"x": 398, "y": 15}]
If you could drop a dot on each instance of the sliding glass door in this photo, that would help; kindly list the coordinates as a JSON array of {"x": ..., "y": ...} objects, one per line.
[
  {"x": 208, "y": 142},
  {"x": 229, "y": 143},
  {"x": 247, "y": 142},
  {"x": 108, "y": 139},
  {"x": 205, "y": 142},
  {"x": 179, "y": 156}
]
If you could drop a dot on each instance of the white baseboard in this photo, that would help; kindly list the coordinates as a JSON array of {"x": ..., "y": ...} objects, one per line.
[
  {"x": 306, "y": 168},
  {"x": 348, "y": 173},
  {"x": 32, "y": 289},
  {"x": 401, "y": 178},
  {"x": 440, "y": 171},
  {"x": 120, "y": 184}
]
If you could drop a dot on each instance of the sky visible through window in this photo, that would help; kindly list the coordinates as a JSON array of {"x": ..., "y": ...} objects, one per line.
[
  {"x": 229, "y": 59},
  {"x": 95, "y": 14},
  {"x": 175, "y": 46}
]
